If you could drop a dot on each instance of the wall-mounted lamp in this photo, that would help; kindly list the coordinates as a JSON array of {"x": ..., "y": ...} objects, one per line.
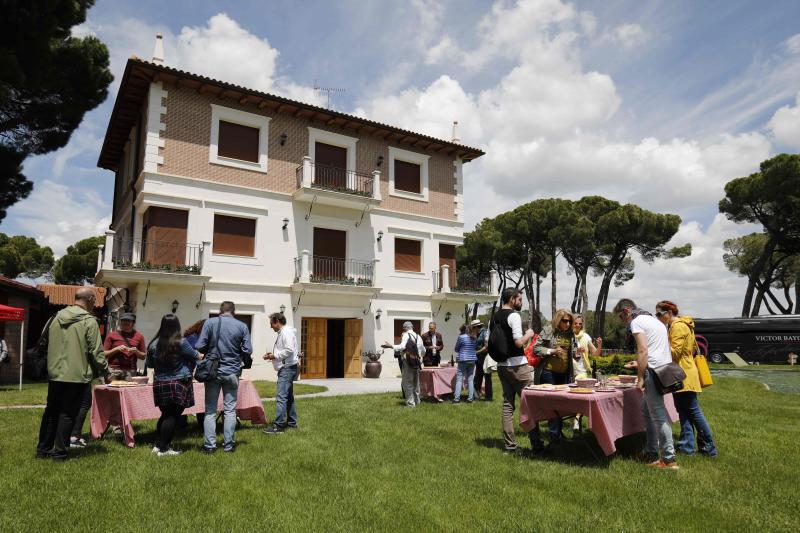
[
  {"x": 285, "y": 223},
  {"x": 175, "y": 304},
  {"x": 283, "y": 138},
  {"x": 378, "y": 314},
  {"x": 282, "y": 308},
  {"x": 447, "y": 316},
  {"x": 380, "y": 236},
  {"x": 380, "y": 160}
]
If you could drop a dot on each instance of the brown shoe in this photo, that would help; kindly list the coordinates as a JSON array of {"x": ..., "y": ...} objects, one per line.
[
  {"x": 656, "y": 464},
  {"x": 672, "y": 465}
]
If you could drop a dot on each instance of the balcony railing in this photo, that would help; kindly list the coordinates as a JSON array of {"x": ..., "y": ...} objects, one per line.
[
  {"x": 334, "y": 270},
  {"x": 461, "y": 281},
  {"x": 157, "y": 256},
  {"x": 325, "y": 177}
]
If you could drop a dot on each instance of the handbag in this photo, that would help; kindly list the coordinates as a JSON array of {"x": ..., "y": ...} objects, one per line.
[
  {"x": 703, "y": 372},
  {"x": 206, "y": 369},
  {"x": 668, "y": 378},
  {"x": 533, "y": 359}
]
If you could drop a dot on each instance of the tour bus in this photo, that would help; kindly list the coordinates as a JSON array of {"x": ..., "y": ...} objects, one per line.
[{"x": 760, "y": 339}]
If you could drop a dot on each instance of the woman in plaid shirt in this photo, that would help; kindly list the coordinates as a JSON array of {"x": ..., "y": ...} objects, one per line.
[{"x": 172, "y": 359}]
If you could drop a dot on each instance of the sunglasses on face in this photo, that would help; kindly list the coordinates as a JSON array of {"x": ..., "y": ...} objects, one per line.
[
  {"x": 659, "y": 314},
  {"x": 566, "y": 321}
]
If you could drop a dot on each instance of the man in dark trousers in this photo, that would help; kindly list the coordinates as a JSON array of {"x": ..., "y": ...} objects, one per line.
[
  {"x": 434, "y": 344},
  {"x": 74, "y": 358}
]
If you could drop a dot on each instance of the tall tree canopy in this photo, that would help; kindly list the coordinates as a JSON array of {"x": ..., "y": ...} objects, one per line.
[
  {"x": 79, "y": 264},
  {"x": 770, "y": 197},
  {"x": 23, "y": 255},
  {"x": 48, "y": 81}
]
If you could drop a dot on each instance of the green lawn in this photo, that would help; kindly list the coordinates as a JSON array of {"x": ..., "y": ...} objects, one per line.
[
  {"x": 366, "y": 463},
  {"x": 36, "y": 393},
  {"x": 765, "y": 367}
]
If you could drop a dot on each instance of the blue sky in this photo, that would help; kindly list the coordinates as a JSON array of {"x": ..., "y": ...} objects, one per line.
[{"x": 657, "y": 103}]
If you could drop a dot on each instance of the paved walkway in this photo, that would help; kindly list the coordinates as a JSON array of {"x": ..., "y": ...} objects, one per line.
[{"x": 336, "y": 387}]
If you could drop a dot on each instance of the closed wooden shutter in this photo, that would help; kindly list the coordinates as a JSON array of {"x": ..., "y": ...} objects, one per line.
[
  {"x": 164, "y": 234},
  {"x": 407, "y": 176},
  {"x": 330, "y": 251},
  {"x": 398, "y": 328},
  {"x": 238, "y": 142},
  {"x": 315, "y": 363},
  {"x": 407, "y": 255},
  {"x": 447, "y": 256},
  {"x": 353, "y": 344},
  {"x": 330, "y": 166},
  {"x": 234, "y": 236}
]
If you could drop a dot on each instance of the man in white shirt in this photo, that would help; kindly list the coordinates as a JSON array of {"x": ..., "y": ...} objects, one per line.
[
  {"x": 410, "y": 369},
  {"x": 285, "y": 358},
  {"x": 514, "y": 373},
  {"x": 652, "y": 348}
]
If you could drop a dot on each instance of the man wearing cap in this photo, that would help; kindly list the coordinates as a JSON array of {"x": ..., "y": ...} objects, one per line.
[
  {"x": 411, "y": 363},
  {"x": 124, "y": 347}
]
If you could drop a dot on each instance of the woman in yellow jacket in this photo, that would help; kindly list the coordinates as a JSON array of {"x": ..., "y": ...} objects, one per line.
[{"x": 682, "y": 343}]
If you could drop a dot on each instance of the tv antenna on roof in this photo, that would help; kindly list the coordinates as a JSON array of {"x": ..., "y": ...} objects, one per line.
[{"x": 328, "y": 91}]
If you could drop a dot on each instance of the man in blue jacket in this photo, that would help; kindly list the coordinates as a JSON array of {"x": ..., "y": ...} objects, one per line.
[{"x": 227, "y": 339}]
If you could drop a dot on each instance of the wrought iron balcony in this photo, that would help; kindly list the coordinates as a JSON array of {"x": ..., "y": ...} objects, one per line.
[
  {"x": 336, "y": 186},
  {"x": 461, "y": 282},
  {"x": 334, "y": 270},
  {"x": 157, "y": 256}
]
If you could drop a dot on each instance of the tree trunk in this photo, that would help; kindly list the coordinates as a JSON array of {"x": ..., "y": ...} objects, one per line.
[
  {"x": 553, "y": 285},
  {"x": 576, "y": 294},
  {"x": 584, "y": 292},
  {"x": 755, "y": 275},
  {"x": 783, "y": 310},
  {"x": 600, "y": 306},
  {"x": 759, "y": 300},
  {"x": 788, "y": 296}
]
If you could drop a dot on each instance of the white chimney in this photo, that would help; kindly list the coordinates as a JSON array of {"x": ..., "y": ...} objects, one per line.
[
  {"x": 455, "y": 138},
  {"x": 158, "y": 51}
]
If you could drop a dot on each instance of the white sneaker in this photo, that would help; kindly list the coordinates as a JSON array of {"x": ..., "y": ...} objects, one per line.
[
  {"x": 169, "y": 451},
  {"x": 155, "y": 449}
]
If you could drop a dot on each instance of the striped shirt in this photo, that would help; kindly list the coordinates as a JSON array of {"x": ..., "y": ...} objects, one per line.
[{"x": 465, "y": 348}]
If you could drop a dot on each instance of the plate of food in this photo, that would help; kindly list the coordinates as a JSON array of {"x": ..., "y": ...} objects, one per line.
[
  {"x": 542, "y": 386},
  {"x": 623, "y": 385},
  {"x": 119, "y": 383},
  {"x": 581, "y": 390},
  {"x": 605, "y": 389}
]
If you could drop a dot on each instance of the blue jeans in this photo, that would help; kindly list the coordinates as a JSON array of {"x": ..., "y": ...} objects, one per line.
[
  {"x": 554, "y": 424},
  {"x": 692, "y": 419},
  {"x": 658, "y": 427},
  {"x": 466, "y": 369},
  {"x": 229, "y": 385},
  {"x": 285, "y": 397}
]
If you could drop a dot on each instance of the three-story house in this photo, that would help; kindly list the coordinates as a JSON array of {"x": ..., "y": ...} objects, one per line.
[{"x": 348, "y": 226}]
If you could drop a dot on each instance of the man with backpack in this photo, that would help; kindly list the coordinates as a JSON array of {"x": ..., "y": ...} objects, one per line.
[
  {"x": 412, "y": 347},
  {"x": 506, "y": 346}
]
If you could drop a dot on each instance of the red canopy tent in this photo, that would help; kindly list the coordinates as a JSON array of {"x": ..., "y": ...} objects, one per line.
[{"x": 15, "y": 314}]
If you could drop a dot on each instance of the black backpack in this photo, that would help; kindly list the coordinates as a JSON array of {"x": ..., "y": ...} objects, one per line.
[
  {"x": 412, "y": 351},
  {"x": 498, "y": 340}
]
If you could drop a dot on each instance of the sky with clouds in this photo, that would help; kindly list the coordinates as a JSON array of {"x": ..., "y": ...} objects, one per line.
[{"x": 656, "y": 103}]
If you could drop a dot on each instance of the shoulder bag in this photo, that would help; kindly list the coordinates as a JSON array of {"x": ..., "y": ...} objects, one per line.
[
  {"x": 206, "y": 369},
  {"x": 668, "y": 378}
]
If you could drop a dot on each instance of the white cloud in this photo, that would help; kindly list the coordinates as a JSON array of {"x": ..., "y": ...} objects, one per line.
[
  {"x": 792, "y": 44},
  {"x": 82, "y": 141},
  {"x": 628, "y": 36},
  {"x": 785, "y": 123},
  {"x": 58, "y": 216}
]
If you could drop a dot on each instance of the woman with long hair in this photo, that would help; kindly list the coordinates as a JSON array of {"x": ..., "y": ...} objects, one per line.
[
  {"x": 555, "y": 344},
  {"x": 583, "y": 347},
  {"x": 171, "y": 357},
  {"x": 682, "y": 344},
  {"x": 192, "y": 333}
]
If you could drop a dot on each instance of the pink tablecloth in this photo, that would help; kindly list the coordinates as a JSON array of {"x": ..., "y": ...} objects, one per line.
[
  {"x": 611, "y": 415},
  {"x": 122, "y": 405},
  {"x": 435, "y": 382}
]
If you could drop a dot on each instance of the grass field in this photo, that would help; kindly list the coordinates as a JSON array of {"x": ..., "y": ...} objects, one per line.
[
  {"x": 36, "y": 393},
  {"x": 366, "y": 463}
]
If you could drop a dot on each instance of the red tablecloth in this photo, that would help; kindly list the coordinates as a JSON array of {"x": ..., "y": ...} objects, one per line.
[
  {"x": 611, "y": 415},
  {"x": 122, "y": 405},
  {"x": 435, "y": 382}
]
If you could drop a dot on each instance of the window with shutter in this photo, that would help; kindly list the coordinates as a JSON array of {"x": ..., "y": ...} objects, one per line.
[
  {"x": 398, "y": 328},
  {"x": 238, "y": 142},
  {"x": 407, "y": 176},
  {"x": 234, "y": 236},
  {"x": 407, "y": 255},
  {"x": 247, "y": 320},
  {"x": 164, "y": 236},
  {"x": 447, "y": 256}
]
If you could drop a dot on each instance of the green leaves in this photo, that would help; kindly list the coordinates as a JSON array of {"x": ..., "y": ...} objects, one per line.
[
  {"x": 23, "y": 255},
  {"x": 79, "y": 264}
]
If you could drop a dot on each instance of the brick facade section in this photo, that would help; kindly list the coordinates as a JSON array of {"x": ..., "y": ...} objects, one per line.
[{"x": 186, "y": 152}]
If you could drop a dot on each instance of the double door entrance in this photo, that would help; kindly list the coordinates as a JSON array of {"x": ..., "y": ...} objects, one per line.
[{"x": 332, "y": 347}]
